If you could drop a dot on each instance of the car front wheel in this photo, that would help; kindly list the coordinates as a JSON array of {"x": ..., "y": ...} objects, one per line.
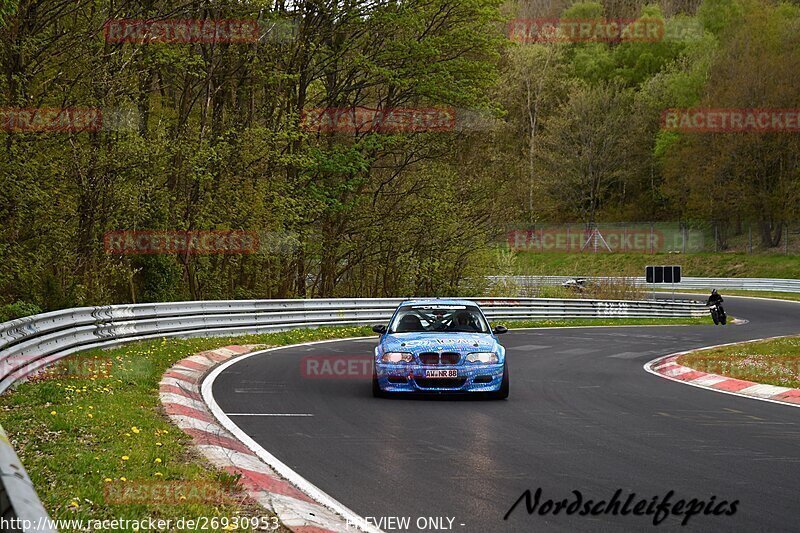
[
  {"x": 377, "y": 392},
  {"x": 502, "y": 392}
]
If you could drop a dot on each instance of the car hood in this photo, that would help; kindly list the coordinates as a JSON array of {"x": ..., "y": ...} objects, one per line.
[{"x": 425, "y": 342}]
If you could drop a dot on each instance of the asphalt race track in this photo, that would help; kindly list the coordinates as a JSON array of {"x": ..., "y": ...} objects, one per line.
[{"x": 583, "y": 415}]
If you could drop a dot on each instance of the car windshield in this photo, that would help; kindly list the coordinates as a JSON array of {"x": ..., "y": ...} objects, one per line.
[{"x": 439, "y": 318}]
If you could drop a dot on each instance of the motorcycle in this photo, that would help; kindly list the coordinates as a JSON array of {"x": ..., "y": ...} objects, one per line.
[{"x": 718, "y": 314}]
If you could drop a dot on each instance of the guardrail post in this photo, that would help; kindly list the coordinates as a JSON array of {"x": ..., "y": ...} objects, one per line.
[
  {"x": 786, "y": 239},
  {"x": 685, "y": 234},
  {"x": 624, "y": 236},
  {"x": 569, "y": 242}
]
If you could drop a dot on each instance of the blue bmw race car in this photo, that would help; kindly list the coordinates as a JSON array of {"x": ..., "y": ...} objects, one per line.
[{"x": 440, "y": 346}]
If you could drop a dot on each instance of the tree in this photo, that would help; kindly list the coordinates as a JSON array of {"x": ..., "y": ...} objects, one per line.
[
  {"x": 752, "y": 175},
  {"x": 583, "y": 152}
]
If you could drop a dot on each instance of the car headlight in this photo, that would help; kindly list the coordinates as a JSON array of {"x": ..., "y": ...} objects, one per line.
[
  {"x": 397, "y": 357},
  {"x": 486, "y": 358}
]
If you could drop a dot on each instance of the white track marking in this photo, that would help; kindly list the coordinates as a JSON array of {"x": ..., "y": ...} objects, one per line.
[
  {"x": 710, "y": 380},
  {"x": 764, "y": 391},
  {"x": 281, "y": 468},
  {"x": 269, "y": 414}
]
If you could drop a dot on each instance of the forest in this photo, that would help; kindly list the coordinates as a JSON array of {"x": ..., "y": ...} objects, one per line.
[{"x": 373, "y": 148}]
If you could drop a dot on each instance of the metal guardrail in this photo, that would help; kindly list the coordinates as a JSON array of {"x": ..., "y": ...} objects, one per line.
[
  {"x": 744, "y": 284},
  {"x": 31, "y": 343},
  {"x": 18, "y": 498}
]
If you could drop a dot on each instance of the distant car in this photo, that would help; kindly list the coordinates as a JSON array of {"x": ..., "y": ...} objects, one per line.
[
  {"x": 440, "y": 347},
  {"x": 578, "y": 284}
]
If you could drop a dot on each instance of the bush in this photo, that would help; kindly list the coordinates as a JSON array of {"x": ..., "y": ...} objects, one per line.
[{"x": 18, "y": 310}]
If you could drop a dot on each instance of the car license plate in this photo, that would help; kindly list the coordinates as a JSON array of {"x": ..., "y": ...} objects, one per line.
[{"x": 441, "y": 373}]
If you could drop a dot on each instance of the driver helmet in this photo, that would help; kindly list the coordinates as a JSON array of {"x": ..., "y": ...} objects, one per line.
[{"x": 461, "y": 318}]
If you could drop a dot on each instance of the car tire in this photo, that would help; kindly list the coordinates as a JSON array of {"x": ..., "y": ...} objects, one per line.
[
  {"x": 377, "y": 392},
  {"x": 502, "y": 392}
]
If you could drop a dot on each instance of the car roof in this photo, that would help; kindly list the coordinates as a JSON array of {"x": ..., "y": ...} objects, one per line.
[{"x": 439, "y": 301}]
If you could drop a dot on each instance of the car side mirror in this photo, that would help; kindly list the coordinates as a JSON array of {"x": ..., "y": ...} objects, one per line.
[
  {"x": 379, "y": 329},
  {"x": 499, "y": 330}
]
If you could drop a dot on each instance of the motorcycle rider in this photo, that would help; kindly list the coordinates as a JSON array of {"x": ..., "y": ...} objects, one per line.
[{"x": 715, "y": 298}]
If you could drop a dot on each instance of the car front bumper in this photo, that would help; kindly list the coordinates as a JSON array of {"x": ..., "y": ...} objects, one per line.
[{"x": 411, "y": 378}]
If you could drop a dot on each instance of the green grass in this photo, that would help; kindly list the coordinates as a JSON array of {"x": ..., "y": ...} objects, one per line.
[
  {"x": 632, "y": 264},
  {"x": 576, "y": 322},
  {"x": 94, "y": 421},
  {"x": 794, "y": 296},
  {"x": 774, "y": 362},
  {"x": 766, "y": 294}
]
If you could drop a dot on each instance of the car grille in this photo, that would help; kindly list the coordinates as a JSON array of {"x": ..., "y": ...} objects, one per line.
[
  {"x": 441, "y": 383},
  {"x": 435, "y": 358}
]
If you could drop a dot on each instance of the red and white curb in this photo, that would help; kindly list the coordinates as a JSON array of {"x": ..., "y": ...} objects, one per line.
[
  {"x": 668, "y": 367},
  {"x": 296, "y": 503}
]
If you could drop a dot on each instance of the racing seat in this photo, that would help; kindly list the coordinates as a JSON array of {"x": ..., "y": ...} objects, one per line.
[{"x": 409, "y": 323}]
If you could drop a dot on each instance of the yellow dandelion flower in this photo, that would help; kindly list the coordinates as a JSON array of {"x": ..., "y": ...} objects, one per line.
[
  {"x": 53, "y": 413},
  {"x": 158, "y": 459},
  {"x": 125, "y": 457}
]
